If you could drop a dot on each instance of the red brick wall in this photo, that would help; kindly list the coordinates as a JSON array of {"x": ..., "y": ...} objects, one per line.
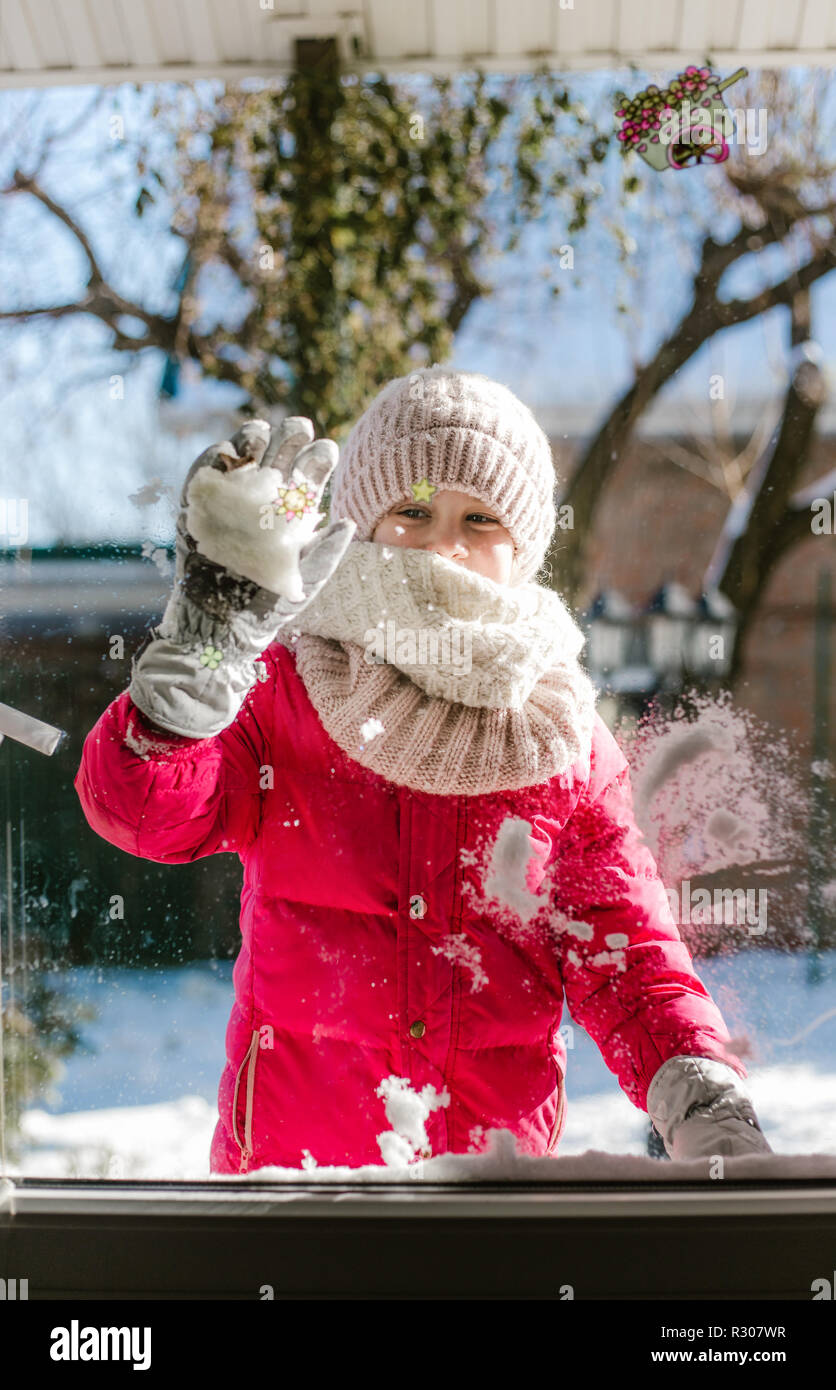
[{"x": 659, "y": 522}]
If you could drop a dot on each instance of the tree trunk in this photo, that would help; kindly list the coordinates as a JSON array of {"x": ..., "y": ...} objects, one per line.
[{"x": 772, "y": 526}]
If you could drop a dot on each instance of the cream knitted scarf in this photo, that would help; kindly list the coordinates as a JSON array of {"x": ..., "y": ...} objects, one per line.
[{"x": 439, "y": 679}]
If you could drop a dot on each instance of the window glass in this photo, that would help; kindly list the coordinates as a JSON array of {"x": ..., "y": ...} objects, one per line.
[{"x": 666, "y": 315}]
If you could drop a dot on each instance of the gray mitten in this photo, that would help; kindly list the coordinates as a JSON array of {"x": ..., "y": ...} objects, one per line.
[
  {"x": 248, "y": 559},
  {"x": 701, "y": 1108}
]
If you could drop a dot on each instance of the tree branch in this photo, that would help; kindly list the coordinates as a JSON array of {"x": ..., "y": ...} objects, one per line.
[
  {"x": 25, "y": 183},
  {"x": 706, "y": 316},
  {"x": 804, "y": 499},
  {"x": 735, "y": 311},
  {"x": 101, "y": 299},
  {"x": 767, "y": 525}
]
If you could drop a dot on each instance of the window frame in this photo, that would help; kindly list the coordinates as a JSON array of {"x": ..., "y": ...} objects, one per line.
[{"x": 82, "y": 1238}]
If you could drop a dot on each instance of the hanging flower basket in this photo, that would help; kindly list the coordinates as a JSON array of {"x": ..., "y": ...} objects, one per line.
[{"x": 685, "y": 123}]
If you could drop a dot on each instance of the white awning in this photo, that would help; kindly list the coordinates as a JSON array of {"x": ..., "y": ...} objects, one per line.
[{"x": 53, "y": 42}]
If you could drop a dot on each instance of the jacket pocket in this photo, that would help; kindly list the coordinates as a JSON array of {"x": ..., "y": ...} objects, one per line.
[
  {"x": 560, "y": 1111},
  {"x": 247, "y": 1068}
]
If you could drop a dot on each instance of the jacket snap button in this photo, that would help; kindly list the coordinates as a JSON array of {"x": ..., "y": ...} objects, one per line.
[
  {"x": 417, "y": 906},
  {"x": 418, "y": 1028}
]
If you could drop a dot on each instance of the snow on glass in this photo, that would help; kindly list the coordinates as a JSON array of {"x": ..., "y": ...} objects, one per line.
[
  {"x": 719, "y": 798},
  {"x": 723, "y": 798},
  {"x": 716, "y": 793}
]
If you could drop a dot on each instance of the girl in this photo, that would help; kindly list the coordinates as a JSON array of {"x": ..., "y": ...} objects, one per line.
[{"x": 387, "y": 721}]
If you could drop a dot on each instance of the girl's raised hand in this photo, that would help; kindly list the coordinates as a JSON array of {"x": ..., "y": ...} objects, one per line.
[
  {"x": 248, "y": 558},
  {"x": 250, "y": 508}
]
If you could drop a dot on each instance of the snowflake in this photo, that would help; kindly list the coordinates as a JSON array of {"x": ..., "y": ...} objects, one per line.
[{"x": 459, "y": 951}]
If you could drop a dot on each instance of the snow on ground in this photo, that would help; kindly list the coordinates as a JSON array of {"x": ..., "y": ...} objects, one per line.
[
  {"x": 138, "y": 1101},
  {"x": 169, "y": 1140}
]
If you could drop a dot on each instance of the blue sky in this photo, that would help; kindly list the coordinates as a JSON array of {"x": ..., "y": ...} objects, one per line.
[{"x": 90, "y": 452}]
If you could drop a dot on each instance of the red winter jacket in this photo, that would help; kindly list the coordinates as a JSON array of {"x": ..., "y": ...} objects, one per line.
[{"x": 372, "y": 948}]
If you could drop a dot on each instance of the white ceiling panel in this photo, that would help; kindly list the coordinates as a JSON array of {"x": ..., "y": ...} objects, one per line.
[
  {"x": 391, "y": 31},
  {"x": 524, "y": 27},
  {"x": 694, "y": 36},
  {"x": 49, "y": 34},
  {"x": 585, "y": 29},
  {"x": 725, "y": 24},
  {"x": 756, "y": 24},
  {"x": 649, "y": 26},
  {"x": 461, "y": 28},
  {"x": 815, "y": 24},
  {"x": 232, "y": 36},
  {"x": 167, "y": 23},
  {"x": 785, "y": 24},
  {"x": 275, "y": 41},
  {"x": 53, "y": 42},
  {"x": 136, "y": 20},
  {"x": 250, "y": 23},
  {"x": 664, "y": 25},
  {"x": 18, "y": 48},
  {"x": 82, "y": 40},
  {"x": 325, "y": 8},
  {"x": 201, "y": 37},
  {"x": 110, "y": 33}
]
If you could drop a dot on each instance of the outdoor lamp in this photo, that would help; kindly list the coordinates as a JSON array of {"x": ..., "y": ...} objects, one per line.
[
  {"x": 609, "y": 623},
  {"x": 712, "y": 638},
  {"x": 670, "y": 616}
]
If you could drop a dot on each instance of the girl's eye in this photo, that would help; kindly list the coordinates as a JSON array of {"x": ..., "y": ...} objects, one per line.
[{"x": 479, "y": 517}]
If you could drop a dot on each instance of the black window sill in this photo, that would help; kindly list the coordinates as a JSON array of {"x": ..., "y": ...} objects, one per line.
[{"x": 483, "y": 1240}]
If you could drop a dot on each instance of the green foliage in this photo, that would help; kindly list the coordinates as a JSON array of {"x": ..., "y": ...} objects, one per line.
[
  {"x": 360, "y": 217},
  {"x": 39, "y": 1029}
]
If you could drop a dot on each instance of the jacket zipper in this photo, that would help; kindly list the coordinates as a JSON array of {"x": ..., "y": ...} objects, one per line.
[
  {"x": 456, "y": 929},
  {"x": 561, "y": 1106},
  {"x": 247, "y": 1146}
]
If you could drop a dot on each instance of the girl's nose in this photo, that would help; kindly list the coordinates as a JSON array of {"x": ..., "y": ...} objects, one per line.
[{"x": 451, "y": 548}]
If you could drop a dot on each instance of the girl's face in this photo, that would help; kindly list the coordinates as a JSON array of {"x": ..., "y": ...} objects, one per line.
[{"x": 457, "y": 526}]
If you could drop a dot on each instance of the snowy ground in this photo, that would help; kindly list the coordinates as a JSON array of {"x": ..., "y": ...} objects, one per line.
[{"x": 138, "y": 1101}]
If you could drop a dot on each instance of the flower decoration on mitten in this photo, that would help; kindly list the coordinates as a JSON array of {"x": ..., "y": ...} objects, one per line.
[
  {"x": 211, "y": 657},
  {"x": 294, "y": 501}
]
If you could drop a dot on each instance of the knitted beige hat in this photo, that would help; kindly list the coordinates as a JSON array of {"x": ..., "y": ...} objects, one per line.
[{"x": 459, "y": 430}]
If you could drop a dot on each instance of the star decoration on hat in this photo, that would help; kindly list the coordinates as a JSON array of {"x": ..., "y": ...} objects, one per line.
[
  {"x": 423, "y": 491},
  {"x": 293, "y": 502}
]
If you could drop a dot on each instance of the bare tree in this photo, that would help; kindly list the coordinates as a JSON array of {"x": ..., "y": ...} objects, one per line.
[
  {"x": 785, "y": 201},
  {"x": 352, "y": 221}
]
